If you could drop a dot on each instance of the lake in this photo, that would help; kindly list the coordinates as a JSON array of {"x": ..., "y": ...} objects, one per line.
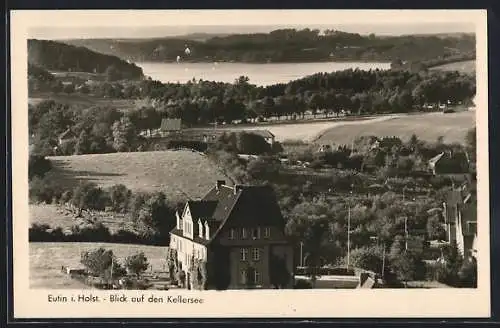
[{"x": 259, "y": 74}]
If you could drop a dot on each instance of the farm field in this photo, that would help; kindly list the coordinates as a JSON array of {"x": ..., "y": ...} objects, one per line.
[
  {"x": 46, "y": 260},
  {"x": 306, "y": 131},
  {"x": 179, "y": 174},
  {"x": 429, "y": 126},
  {"x": 468, "y": 66}
]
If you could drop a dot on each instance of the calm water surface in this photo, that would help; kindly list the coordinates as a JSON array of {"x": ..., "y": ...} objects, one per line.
[{"x": 259, "y": 74}]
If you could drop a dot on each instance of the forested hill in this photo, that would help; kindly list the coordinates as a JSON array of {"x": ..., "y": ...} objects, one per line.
[
  {"x": 57, "y": 56},
  {"x": 290, "y": 45}
]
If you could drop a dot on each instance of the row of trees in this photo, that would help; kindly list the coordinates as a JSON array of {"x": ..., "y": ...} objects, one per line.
[
  {"x": 150, "y": 214},
  {"x": 354, "y": 91},
  {"x": 101, "y": 130}
]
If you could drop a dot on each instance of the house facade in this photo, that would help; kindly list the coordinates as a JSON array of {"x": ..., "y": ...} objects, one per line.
[
  {"x": 460, "y": 213},
  {"x": 237, "y": 233}
]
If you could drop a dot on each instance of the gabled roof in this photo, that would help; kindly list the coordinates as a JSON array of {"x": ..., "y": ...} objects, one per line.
[
  {"x": 68, "y": 134},
  {"x": 243, "y": 206},
  {"x": 170, "y": 124},
  {"x": 262, "y": 133},
  {"x": 435, "y": 159},
  {"x": 201, "y": 209},
  {"x": 252, "y": 203}
]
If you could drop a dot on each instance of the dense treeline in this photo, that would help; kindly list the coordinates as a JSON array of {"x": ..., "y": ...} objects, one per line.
[
  {"x": 198, "y": 103},
  {"x": 149, "y": 217},
  {"x": 58, "y": 56},
  {"x": 288, "y": 45}
]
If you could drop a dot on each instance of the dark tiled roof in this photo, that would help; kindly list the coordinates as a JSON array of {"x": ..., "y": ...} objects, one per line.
[
  {"x": 245, "y": 207},
  {"x": 201, "y": 209},
  {"x": 252, "y": 203},
  {"x": 170, "y": 124},
  {"x": 226, "y": 198},
  {"x": 262, "y": 133}
]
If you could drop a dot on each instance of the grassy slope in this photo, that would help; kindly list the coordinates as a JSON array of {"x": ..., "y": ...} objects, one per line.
[
  {"x": 176, "y": 173},
  {"x": 427, "y": 127},
  {"x": 468, "y": 66},
  {"x": 46, "y": 260}
]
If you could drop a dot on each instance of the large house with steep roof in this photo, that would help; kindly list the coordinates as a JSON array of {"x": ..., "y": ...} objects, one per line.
[
  {"x": 238, "y": 233},
  {"x": 460, "y": 212}
]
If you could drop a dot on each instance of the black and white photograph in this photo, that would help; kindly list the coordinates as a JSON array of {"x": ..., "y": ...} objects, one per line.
[{"x": 180, "y": 157}]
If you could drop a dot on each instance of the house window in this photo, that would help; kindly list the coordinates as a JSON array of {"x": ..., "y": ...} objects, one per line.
[
  {"x": 255, "y": 254},
  {"x": 200, "y": 229},
  {"x": 267, "y": 232},
  {"x": 244, "y": 233},
  {"x": 256, "y": 233},
  {"x": 256, "y": 277},
  {"x": 244, "y": 254},
  {"x": 243, "y": 277},
  {"x": 231, "y": 233}
]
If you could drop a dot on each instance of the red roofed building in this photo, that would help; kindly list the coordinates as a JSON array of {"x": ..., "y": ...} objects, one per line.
[{"x": 238, "y": 234}]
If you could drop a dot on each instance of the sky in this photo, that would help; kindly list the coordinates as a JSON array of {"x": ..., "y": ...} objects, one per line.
[{"x": 58, "y": 33}]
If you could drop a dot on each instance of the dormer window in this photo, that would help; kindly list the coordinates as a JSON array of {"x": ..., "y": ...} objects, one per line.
[
  {"x": 244, "y": 233},
  {"x": 267, "y": 232},
  {"x": 207, "y": 231},
  {"x": 231, "y": 233},
  {"x": 200, "y": 229}
]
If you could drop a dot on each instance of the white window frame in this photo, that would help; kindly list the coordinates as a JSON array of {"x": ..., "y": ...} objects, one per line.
[
  {"x": 267, "y": 232},
  {"x": 231, "y": 233},
  {"x": 256, "y": 277},
  {"x": 256, "y": 254},
  {"x": 244, "y": 254},
  {"x": 244, "y": 233}
]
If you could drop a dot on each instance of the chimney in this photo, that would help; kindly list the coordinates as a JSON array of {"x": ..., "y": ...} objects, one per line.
[{"x": 219, "y": 184}]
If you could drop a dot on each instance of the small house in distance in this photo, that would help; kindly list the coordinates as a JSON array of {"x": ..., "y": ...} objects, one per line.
[
  {"x": 266, "y": 134},
  {"x": 449, "y": 162},
  {"x": 235, "y": 238},
  {"x": 66, "y": 136},
  {"x": 170, "y": 126}
]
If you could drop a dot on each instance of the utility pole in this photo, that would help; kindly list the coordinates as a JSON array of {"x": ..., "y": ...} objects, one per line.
[
  {"x": 406, "y": 233},
  {"x": 348, "y": 234},
  {"x": 349, "y": 228},
  {"x": 112, "y": 263},
  {"x": 301, "y": 257},
  {"x": 383, "y": 261}
]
